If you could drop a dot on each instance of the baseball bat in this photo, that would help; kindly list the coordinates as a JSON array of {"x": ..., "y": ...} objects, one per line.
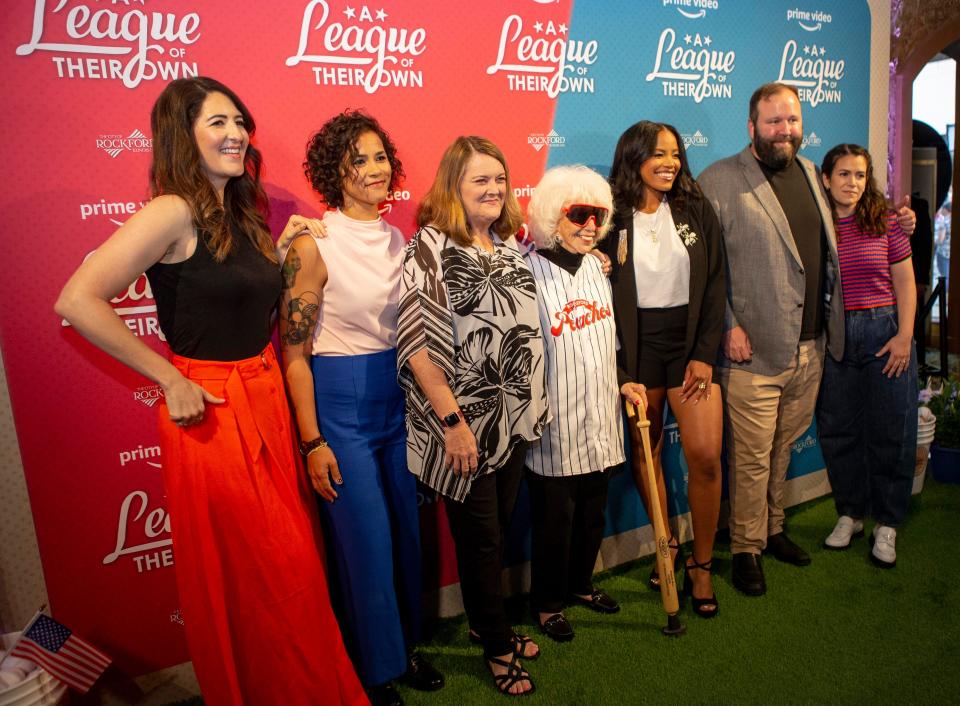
[{"x": 668, "y": 580}]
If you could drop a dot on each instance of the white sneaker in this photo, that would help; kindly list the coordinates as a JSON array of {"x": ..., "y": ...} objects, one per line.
[
  {"x": 847, "y": 528},
  {"x": 884, "y": 553}
]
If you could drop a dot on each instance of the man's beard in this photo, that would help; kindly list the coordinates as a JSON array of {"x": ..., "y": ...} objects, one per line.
[{"x": 774, "y": 155}]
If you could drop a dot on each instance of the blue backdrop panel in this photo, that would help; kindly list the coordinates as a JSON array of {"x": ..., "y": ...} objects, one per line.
[{"x": 694, "y": 64}]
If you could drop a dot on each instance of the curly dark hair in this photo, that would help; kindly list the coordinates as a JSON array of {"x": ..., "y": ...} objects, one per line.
[
  {"x": 332, "y": 149},
  {"x": 635, "y": 146},
  {"x": 871, "y": 210}
]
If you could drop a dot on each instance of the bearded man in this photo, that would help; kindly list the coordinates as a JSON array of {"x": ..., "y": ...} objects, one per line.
[{"x": 784, "y": 310}]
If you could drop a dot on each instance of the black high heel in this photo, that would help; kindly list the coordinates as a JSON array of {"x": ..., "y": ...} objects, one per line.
[
  {"x": 704, "y": 607},
  {"x": 654, "y": 581}
]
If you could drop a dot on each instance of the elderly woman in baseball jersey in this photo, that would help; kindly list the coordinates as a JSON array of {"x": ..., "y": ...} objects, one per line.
[{"x": 569, "y": 467}]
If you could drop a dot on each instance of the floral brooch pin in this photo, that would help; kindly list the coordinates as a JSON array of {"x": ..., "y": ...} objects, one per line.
[{"x": 687, "y": 235}]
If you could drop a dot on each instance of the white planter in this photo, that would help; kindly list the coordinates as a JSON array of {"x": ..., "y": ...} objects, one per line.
[{"x": 926, "y": 425}]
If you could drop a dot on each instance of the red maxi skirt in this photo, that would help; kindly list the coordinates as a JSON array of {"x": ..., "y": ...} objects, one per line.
[{"x": 246, "y": 537}]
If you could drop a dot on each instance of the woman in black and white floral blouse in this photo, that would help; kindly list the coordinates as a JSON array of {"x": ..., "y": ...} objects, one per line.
[{"x": 470, "y": 358}]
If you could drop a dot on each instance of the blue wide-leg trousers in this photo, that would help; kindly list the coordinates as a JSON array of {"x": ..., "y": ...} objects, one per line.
[{"x": 373, "y": 525}]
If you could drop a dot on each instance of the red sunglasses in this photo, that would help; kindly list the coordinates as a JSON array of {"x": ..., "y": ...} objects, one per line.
[{"x": 580, "y": 214}]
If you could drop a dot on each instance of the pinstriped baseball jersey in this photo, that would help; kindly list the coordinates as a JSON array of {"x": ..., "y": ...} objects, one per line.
[{"x": 579, "y": 343}]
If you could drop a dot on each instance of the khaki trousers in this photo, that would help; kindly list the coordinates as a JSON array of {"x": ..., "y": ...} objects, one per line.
[{"x": 764, "y": 415}]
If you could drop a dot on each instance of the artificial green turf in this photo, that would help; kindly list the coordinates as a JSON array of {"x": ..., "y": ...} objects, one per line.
[{"x": 837, "y": 631}]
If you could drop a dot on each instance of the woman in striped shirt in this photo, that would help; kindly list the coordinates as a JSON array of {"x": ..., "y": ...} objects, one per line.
[{"x": 867, "y": 412}]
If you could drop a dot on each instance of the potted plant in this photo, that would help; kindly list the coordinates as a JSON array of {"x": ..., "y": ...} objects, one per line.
[{"x": 945, "y": 453}]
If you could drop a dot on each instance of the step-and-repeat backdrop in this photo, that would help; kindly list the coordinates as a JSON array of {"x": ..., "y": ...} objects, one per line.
[{"x": 550, "y": 81}]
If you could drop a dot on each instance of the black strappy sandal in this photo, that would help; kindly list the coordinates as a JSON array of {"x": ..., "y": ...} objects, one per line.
[
  {"x": 654, "y": 581},
  {"x": 704, "y": 607},
  {"x": 514, "y": 675},
  {"x": 520, "y": 643}
]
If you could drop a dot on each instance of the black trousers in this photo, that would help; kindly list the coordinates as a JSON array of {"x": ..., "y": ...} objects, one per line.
[
  {"x": 478, "y": 526},
  {"x": 567, "y": 515}
]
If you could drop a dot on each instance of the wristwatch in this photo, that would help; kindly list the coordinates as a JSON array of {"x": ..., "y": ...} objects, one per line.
[
  {"x": 306, "y": 447},
  {"x": 452, "y": 419}
]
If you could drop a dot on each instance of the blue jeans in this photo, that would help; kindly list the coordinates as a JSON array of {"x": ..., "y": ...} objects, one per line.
[{"x": 868, "y": 422}]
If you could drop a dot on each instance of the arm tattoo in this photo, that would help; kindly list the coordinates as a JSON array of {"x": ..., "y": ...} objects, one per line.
[
  {"x": 291, "y": 265},
  {"x": 299, "y": 319}
]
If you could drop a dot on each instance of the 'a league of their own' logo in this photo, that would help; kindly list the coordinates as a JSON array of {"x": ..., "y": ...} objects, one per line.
[
  {"x": 90, "y": 41},
  {"x": 354, "y": 46},
  {"x": 143, "y": 533},
  {"x": 136, "y": 306},
  {"x": 816, "y": 76},
  {"x": 691, "y": 66},
  {"x": 540, "y": 56}
]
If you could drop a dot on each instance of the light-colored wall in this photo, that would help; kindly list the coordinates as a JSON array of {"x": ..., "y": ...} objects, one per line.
[{"x": 879, "y": 82}]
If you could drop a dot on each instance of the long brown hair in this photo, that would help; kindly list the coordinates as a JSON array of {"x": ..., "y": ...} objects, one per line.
[
  {"x": 177, "y": 169},
  {"x": 871, "y": 210},
  {"x": 442, "y": 207}
]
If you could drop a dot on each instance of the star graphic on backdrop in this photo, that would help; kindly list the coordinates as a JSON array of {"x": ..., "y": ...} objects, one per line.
[
  {"x": 538, "y": 26},
  {"x": 687, "y": 38},
  {"x": 563, "y": 28},
  {"x": 708, "y": 41},
  {"x": 806, "y": 49},
  {"x": 381, "y": 15},
  {"x": 350, "y": 13}
]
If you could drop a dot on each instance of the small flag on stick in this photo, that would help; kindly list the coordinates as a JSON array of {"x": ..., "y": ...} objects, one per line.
[{"x": 67, "y": 657}]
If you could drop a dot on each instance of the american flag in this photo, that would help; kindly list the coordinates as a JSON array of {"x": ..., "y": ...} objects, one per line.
[{"x": 63, "y": 654}]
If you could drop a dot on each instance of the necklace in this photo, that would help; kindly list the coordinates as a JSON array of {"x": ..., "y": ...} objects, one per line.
[{"x": 653, "y": 230}]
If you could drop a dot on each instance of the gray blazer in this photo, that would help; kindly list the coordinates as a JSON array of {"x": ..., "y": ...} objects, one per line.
[{"x": 765, "y": 279}]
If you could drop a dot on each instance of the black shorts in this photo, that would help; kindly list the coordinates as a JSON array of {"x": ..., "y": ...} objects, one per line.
[{"x": 663, "y": 337}]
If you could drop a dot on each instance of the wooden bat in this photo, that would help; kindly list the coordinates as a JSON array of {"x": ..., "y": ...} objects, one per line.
[{"x": 668, "y": 580}]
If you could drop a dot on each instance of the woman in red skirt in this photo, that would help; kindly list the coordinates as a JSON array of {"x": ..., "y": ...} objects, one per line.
[{"x": 253, "y": 590}]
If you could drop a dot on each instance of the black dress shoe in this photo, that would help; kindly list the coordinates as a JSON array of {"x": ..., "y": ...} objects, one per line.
[
  {"x": 748, "y": 574},
  {"x": 784, "y": 549},
  {"x": 598, "y": 601},
  {"x": 557, "y": 628},
  {"x": 384, "y": 695},
  {"x": 421, "y": 675}
]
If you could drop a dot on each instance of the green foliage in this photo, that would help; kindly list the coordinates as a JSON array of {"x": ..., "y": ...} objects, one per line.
[{"x": 946, "y": 407}]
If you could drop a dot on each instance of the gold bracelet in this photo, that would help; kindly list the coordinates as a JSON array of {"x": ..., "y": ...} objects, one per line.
[{"x": 321, "y": 445}]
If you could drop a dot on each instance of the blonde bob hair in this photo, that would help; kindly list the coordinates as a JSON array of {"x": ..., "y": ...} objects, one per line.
[
  {"x": 442, "y": 207},
  {"x": 562, "y": 186}
]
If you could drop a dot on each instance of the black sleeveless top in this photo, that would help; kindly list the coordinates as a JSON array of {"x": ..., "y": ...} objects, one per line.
[{"x": 217, "y": 311}]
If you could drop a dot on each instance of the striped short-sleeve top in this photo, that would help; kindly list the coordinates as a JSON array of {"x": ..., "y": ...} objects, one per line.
[{"x": 865, "y": 261}]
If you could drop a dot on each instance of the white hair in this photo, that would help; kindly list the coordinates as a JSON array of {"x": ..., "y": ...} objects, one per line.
[{"x": 559, "y": 187}]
